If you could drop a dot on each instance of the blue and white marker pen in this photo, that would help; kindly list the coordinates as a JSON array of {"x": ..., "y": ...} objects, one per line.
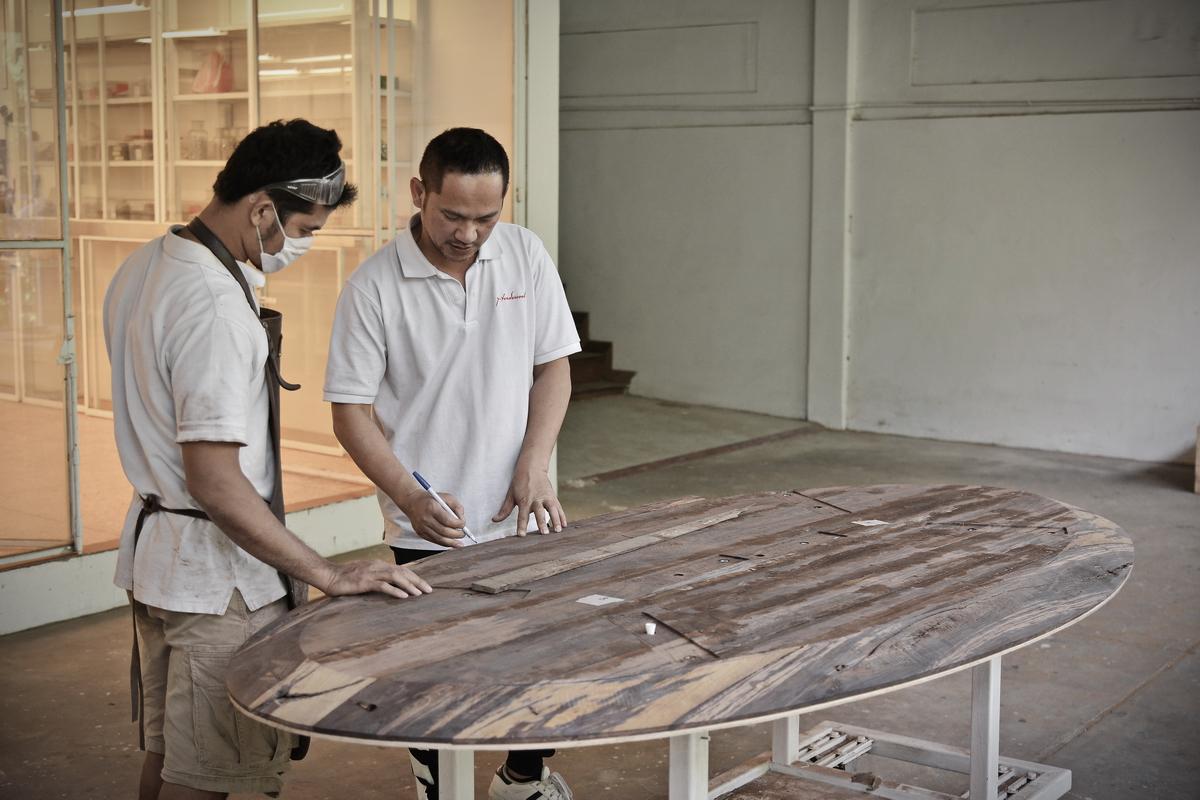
[{"x": 425, "y": 485}]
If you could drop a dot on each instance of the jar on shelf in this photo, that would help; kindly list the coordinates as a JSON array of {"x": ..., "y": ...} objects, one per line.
[
  {"x": 224, "y": 144},
  {"x": 196, "y": 148}
]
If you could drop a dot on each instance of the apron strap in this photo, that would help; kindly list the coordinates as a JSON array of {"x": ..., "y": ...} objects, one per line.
[
  {"x": 151, "y": 504},
  {"x": 215, "y": 246}
]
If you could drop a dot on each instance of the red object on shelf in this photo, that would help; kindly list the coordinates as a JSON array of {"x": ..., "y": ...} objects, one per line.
[{"x": 215, "y": 75}]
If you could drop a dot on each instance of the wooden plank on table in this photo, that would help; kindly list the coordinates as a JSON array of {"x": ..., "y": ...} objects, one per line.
[
  {"x": 768, "y": 513},
  {"x": 853, "y": 499},
  {"x": 962, "y": 505},
  {"x": 839, "y": 590},
  {"x": 470, "y": 564},
  {"x": 535, "y": 572}
]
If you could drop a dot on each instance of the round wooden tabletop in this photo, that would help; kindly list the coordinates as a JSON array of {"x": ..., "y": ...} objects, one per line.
[{"x": 761, "y": 605}]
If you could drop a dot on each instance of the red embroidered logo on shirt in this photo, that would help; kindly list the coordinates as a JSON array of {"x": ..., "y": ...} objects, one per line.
[{"x": 509, "y": 296}]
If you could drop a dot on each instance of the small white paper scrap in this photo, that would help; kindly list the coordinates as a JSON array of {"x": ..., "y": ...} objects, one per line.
[
  {"x": 869, "y": 523},
  {"x": 650, "y": 628},
  {"x": 599, "y": 600}
]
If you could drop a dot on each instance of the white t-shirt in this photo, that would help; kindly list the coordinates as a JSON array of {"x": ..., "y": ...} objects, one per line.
[
  {"x": 187, "y": 355},
  {"x": 449, "y": 370}
]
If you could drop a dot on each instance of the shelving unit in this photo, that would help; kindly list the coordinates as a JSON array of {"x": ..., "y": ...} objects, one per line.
[
  {"x": 110, "y": 117},
  {"x": 158, "y": 99}
]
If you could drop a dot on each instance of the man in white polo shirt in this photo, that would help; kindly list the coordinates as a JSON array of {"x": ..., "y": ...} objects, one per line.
[
  {"x": 456, "y": 335},
  {"x": 204, "y": 551}
]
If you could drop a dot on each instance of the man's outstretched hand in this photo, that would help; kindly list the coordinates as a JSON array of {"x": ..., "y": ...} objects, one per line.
[
  {"x": 532, "y": 493},
  {"x": 362, "y": 577}
]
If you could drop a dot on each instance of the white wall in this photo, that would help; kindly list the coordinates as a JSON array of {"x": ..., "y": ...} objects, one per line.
[
  {"x": 1006, "y": 250},
  {"x": 1025, "y": 261},
  {"x": 684, "y": 205}
]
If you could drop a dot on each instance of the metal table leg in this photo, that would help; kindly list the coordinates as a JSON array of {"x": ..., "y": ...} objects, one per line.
[
  {"x": 825, "y": 754},
  {"x": 985, "y": 729},
  {"x": 456, "y": 774},
  {"x": 689, "y": 767},
  {"x": 785, "y": 740}
]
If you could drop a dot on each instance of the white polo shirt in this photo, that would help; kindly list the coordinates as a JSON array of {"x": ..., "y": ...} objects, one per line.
[
  {"x": 449, "y": 370},
  {"x": 187, "y": 355}
]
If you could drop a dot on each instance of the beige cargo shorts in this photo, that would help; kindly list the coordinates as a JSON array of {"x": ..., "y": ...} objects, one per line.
[{"x": 206, "y": 744}]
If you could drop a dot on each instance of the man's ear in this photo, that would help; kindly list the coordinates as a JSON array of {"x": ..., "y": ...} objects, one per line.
[
  {"x": 260, "y": 207},
  {"x": 418, "y": 192}
]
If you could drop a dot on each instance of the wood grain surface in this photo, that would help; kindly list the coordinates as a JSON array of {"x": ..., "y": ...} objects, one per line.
[{"x": 764, "y": 604}]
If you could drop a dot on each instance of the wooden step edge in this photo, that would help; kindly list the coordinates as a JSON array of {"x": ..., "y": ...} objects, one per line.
[{"x": 597, "y": 389}]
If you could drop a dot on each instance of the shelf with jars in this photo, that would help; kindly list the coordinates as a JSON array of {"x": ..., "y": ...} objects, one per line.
[
  {"x": 207, "y": 70},
  {"x": 158, "y": 98},
  {"x": 111, "y": 109}
]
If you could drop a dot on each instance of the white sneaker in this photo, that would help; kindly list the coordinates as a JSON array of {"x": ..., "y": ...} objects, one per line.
[{"x": 550, "y": 786}]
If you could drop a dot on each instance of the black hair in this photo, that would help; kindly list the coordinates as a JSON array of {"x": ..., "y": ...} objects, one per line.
[
  {"x": 467, "y": 151},
  {"x": 282, "y": 151}
]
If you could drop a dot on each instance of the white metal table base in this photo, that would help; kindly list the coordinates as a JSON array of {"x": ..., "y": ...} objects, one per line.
[
  {"x": 827, "y": 752},
  {"x": 456, "y": 774}
]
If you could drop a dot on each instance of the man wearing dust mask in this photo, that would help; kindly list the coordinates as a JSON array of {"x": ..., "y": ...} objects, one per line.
[{"x": 204, "y": 553}]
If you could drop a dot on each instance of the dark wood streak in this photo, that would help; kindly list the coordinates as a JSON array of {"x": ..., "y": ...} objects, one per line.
[{"x": 757, "y": 615}]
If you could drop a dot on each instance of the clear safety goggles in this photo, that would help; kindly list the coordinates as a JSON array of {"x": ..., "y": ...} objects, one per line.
[{"x": 323, "y": 191}]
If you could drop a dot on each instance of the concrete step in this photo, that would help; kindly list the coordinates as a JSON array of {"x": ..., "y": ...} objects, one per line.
[
  {"x": 592, "y": 364},
  {"x": 592, "y": 372},
  {"x": 597, "y": 389}
]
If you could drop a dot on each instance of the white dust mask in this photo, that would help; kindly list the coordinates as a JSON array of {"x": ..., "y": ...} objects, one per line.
[{"x": 291, "y": 250}]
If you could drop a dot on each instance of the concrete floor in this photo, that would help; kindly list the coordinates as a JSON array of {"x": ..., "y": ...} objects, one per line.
[{"x": 1114, "y": 698}]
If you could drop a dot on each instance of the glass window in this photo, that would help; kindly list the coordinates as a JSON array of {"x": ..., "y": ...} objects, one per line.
[
  {"x": 158, "y": 94},
  {"x": 35, "y": 510},
  {"x": 34, "y": 507},
  {"x": 29, "y": 189},
  {"x": 309, "y": 65}
]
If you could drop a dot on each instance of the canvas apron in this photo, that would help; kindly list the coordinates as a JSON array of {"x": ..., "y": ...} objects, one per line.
[{"x": 272, "y": 322}]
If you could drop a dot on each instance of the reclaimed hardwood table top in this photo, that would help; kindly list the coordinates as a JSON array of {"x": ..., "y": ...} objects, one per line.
[{"x": 764, "y": 604}]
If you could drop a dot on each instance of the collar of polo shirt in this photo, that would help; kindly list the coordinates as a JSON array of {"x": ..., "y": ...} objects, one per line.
[{"x": 414, "y": 264}]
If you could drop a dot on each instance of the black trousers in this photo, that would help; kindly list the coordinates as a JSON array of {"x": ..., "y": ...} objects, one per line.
[{"x": 519, "y": 762}]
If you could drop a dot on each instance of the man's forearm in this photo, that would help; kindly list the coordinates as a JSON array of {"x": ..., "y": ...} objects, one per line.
[
  {"x": 216, "y": 483},
  {"x": 548, "y": 399},
  {"x": 367, "y": 446}
]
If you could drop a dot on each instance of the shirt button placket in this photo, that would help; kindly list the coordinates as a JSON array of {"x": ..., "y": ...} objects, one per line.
[{"x": 471, "y": 298}]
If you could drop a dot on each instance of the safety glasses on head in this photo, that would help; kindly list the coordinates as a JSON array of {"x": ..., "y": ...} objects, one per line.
[{"x": 324, "y": 191}]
